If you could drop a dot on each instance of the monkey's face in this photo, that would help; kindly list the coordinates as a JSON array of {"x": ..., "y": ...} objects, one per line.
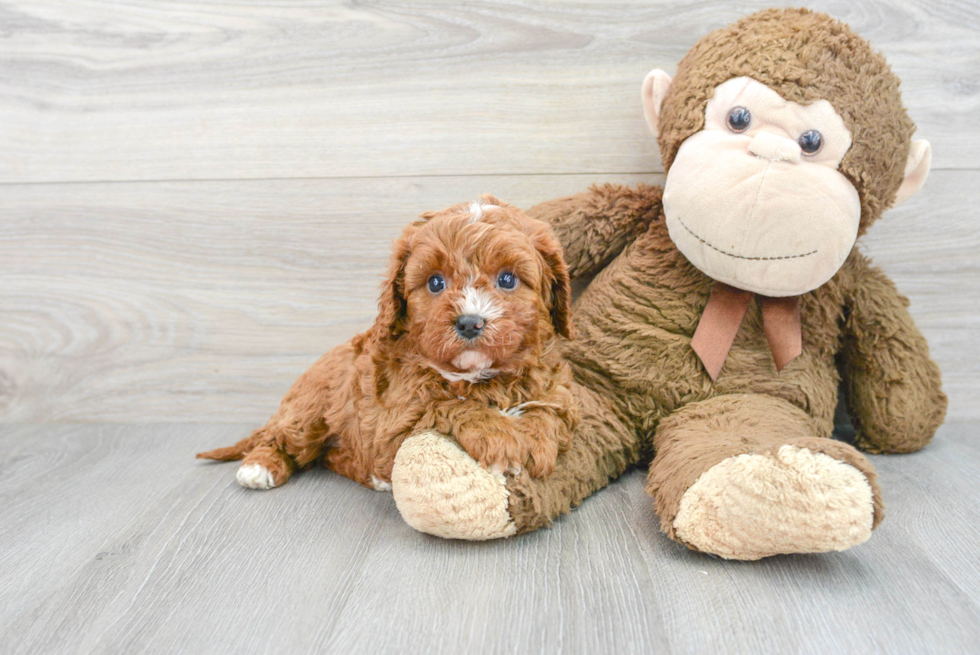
[{"x": 756, "y": 200}]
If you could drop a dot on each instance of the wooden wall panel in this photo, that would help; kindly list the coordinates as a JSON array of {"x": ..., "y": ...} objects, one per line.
[
  {"x": 202, "y": 301},
  {"x": 197, "y": 198},
  {"x": 164, "y": 90}
]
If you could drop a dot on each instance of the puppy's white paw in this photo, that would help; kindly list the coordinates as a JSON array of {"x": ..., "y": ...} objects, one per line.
[
  {"x": 255, "y": 476},
  {"x": 379, "y": 484}
]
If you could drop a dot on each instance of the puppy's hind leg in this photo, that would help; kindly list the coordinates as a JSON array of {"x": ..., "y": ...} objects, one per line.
[
  {"x": 265, "y": 467},
  {"x": 294, "y": 436},
  {"x": 284, "y": 444}
]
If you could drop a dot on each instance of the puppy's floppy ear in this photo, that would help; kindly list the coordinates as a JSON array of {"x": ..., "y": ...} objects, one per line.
[
  {"x": 392, "y": 305},
  {"x": 559, "y": 279}
]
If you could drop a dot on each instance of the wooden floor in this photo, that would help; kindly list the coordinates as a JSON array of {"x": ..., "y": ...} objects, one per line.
[
  {"x": 197, "y": 199},
  {"x": 114, "y": 540}
]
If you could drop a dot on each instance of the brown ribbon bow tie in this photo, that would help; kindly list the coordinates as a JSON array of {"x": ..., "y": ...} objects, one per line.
[{"x": 723, "y": 315}]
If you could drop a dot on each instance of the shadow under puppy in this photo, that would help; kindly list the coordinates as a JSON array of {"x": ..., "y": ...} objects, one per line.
[{"x": 465, "y": 343}]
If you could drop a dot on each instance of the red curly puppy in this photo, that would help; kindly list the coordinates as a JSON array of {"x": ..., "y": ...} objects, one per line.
[{"x": 466, "y": 343}]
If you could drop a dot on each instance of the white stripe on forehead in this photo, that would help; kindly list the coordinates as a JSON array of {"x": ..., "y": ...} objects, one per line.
[
  {"x": 478, "y": 209},
  {"x": 478, "y": 302}
]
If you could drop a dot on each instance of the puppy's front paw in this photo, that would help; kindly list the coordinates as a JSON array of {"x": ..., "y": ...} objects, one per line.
[
  {"x": 542, "y": 453},
  {"x": 255, "y": 476},
  {"x": 511, "y": 446},
  {"x": 494, "y": 446}
]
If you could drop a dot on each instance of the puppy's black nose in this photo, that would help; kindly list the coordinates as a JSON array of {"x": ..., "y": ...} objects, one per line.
[{"x": 469, "y": 326}]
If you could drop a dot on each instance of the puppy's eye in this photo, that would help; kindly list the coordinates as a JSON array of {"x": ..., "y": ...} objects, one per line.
[
  {"x": 437, "y": 283},
  {"x": 739, "y": 119},
  {"x": 810, "y": 142},
  {"x": 507, "y": 280}
]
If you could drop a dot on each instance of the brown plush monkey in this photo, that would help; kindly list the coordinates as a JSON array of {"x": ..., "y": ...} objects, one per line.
[{"x": 726, "y": 307}]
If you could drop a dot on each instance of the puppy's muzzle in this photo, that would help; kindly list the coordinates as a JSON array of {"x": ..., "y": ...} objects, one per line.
[{"x": 469, "y": 326}]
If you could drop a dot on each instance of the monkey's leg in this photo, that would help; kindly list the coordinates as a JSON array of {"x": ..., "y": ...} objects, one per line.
[
  {"x": 746, "y": 476},
  {"x": 441, "y": 490}
]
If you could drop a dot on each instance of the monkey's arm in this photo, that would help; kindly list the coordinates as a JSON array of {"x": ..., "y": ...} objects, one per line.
[
  {"x": 593, "y": 227},
  {"x": 894, "y": 391}
]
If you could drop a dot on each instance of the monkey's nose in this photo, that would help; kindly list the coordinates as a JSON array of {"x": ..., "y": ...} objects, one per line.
[
  {"x": 469, "y": 326},
  {"x": 775, "y": 148}
]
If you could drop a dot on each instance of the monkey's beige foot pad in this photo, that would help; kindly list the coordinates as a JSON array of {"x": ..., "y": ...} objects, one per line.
[
  {"x": 794, "y": 501},
  {"x": 440, "y": 490}
]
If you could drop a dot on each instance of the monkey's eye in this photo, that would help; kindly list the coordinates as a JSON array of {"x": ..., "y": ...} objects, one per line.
[
  {"x": 810, "y": 142},
  {"x": 507, "y": 280},
  {"x": 739, "y": 119},
  {"x": 436, "y": 283}
]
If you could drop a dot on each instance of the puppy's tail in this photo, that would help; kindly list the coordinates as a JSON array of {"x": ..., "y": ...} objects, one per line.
[{"x": 229, "y": 453}]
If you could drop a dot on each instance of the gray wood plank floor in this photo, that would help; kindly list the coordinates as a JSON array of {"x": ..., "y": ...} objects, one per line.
[{"x": 114, "y": 540}]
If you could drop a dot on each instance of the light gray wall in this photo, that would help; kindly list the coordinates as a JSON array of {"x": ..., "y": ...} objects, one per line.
[{"x": 196, "y": 200}]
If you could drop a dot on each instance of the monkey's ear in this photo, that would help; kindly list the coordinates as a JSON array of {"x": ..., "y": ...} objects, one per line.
[
  {"x": 392, "y": 306},
  {"x": 655, "y": 88},
  {"x": 916, "y": 171}
]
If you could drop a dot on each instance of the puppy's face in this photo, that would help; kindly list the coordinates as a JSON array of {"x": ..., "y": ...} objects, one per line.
[{"x": 480, "y": 286}]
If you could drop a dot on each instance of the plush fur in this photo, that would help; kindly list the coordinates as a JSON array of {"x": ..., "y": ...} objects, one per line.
[
  {"x": 805, "y": 56},
  {"x": 644, "y": 394},
  {"x": 503, "y": 396}
]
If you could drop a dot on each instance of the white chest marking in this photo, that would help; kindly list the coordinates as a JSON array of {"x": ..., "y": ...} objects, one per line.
[
  {"x": 517, "y": 411},
  {"x": 469, "y": 376}
]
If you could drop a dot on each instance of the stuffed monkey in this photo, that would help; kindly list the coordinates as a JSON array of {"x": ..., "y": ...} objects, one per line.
[{"x": 727, "y": 307}]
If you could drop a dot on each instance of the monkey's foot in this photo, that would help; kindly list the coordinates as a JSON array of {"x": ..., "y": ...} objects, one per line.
[
  {"x": 792, "y": 500},
  {"x": 440, "y": 490}
]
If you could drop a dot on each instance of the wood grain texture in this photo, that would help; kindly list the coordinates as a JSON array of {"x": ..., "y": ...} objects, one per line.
[
  {"x": 96, "y": 90},
  {"x": 203, "y": 301},
  {"x": 113, "y": 539}
]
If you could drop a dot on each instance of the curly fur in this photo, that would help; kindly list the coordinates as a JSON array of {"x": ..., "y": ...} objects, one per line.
[
  {"x": 503, "y": 396},
  {"x": 805, "y": 56}
]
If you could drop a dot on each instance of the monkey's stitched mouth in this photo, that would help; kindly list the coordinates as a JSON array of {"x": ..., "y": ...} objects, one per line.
[{"x": 733, "y": 255}]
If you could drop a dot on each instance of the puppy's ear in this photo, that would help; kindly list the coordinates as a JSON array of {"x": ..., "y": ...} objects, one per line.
[
  {"x": 392, "y": 305},
  {"x": 560, "y": 281}
]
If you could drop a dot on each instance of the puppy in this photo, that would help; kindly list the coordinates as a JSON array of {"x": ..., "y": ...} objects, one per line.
[{"x": 466, "y": 343}]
